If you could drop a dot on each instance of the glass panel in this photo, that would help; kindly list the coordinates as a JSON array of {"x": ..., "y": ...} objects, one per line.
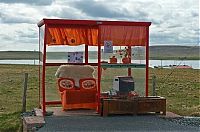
[
  {"x": 52, "y": 93},
  {"x": 139, "y": 75},
  {"x": 41, "y": 47},
  {"x": 92, "y": 54},
  {"x": 108, "y": 75},
  {"x": 59, "y": 54},
  {"x": 138, "y": 70}
]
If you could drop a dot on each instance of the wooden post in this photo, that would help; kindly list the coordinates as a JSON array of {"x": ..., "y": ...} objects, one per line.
[
  {"x": 24, "y": 92},
  {"x": 154, "y": 85},
  {"x": 34, "y": 57}
]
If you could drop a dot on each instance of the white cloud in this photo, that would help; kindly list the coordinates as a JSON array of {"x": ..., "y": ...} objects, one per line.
[
  {"x": 31, "y": 2},
  {"x": 19, "y": 13},
  {"x": 173, "y": 22},
  {"x": 18, "y": 36}
]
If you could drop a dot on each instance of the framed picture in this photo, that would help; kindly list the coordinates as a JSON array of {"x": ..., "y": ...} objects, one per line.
[
  {"x": 108, "y": 46},
  {"x": 75, "y": 57}
]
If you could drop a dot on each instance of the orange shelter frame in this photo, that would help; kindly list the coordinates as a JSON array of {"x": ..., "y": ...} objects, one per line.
[{"x": 90, "y": 33}]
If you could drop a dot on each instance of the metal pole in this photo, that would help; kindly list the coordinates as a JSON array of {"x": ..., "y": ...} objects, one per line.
[
  {"x": 24, "y": 92},
  {"x": 99, "y": 68},
  {"x": 39, "y": 74},
  {"x": 129, "y": 53},
  {"x": 44, "y": 74},
  {"x": 147, "y": 60},
  {"x": 86, "y": 54}
]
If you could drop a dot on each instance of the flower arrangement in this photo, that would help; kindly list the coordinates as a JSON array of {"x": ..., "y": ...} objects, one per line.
[{"x": 124, "y": 54}]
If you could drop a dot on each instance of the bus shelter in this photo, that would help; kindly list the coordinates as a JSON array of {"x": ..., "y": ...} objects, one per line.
[{"x": 54, "y": 32}]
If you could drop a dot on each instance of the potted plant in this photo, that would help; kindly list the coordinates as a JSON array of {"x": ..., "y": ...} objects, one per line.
[
  {"x": 113, "y": 60},
  {"x": 126, "y": 58}
]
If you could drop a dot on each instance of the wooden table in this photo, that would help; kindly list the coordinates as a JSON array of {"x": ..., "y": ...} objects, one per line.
[{"x": 133, "y": 106}]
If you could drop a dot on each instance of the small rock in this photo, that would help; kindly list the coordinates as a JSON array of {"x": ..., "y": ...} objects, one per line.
[
  {"x": 10, "y": 80},
  {"x": 2, "y": 108}
]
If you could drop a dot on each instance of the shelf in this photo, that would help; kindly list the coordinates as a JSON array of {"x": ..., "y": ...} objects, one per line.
[{"x": 120, "y": 65}]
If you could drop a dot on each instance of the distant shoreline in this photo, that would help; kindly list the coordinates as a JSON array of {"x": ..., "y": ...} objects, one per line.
[
  {"x": 155, "y": 53},
  {"x": 165, "y": 58}
]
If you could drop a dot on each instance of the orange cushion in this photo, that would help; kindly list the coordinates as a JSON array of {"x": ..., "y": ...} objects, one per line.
[
  {"x": 65, "y": 83},
  {"x": 88, "y": 83}
]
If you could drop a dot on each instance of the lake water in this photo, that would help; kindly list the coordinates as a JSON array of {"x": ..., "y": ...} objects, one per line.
[{"x": 194, "y": 63}]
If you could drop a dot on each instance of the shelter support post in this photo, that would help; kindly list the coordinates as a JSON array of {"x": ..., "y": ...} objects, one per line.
[
  {"x": 39, "y": 70},
  {"x": 44, "y": 74},
  {"x": 99, "y": 69},
  {"x": 147, "y": 60},
  {"x": 129, "y": 52},
  {"x": 86, "y": 54}
]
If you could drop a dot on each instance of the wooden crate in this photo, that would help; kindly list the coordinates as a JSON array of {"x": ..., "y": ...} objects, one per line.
[
  {"x": 138, "y": 105},
  {"x": 151, "y": 104},
  {"x": 118, "y": 106}
]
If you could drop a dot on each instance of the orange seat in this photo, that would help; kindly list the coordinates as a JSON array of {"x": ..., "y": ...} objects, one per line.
[{"x": 73, "y": 97}]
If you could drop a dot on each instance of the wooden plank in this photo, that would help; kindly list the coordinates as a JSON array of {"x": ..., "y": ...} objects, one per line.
[
  {"x": 105, "y": 108},
  {"x": 146, "y": 105}
]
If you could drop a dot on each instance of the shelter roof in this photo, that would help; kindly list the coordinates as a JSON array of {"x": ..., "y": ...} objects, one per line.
[
  {"x": 92, "y": 32},
  {"x": 91, "y": 22}
]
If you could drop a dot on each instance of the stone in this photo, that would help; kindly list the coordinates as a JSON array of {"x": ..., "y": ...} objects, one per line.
[{"x": 32, "y": 123}]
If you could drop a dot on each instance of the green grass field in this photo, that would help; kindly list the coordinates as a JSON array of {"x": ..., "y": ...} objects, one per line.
[{"x": 180, "y": 87}]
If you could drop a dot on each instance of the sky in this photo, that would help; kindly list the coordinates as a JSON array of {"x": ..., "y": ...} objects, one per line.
[{"x": 174, "y": 22}]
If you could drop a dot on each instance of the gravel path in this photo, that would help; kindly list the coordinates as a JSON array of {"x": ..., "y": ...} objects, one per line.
[{"x": 140, "y": 123}]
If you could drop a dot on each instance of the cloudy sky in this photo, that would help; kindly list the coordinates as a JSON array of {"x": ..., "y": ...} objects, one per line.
[{"x": 174, "y": 22}]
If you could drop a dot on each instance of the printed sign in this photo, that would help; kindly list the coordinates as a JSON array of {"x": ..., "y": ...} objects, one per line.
[
  {"x": 75, "y": 57},
  {"x": 108, "y": 47}
]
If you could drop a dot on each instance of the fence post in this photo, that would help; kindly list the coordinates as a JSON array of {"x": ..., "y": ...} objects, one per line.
[
  {"x": 154, "y": 85},
  {"x": 24, "y": 92}
]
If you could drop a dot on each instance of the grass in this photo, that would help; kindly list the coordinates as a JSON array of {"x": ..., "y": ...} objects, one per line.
[
  {"x": 179, "y": 86},
  {"x": 11, "y": 94}
]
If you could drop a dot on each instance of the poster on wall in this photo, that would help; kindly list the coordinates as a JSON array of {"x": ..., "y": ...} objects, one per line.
[
  {"x": 108, "y": 46},
  {"x": 75, "y": 57}
]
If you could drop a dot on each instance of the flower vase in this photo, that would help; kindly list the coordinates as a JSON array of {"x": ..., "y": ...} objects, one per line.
[
  {"x": 113, "y": 60},
  {"x": 125, "y": 60}
]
